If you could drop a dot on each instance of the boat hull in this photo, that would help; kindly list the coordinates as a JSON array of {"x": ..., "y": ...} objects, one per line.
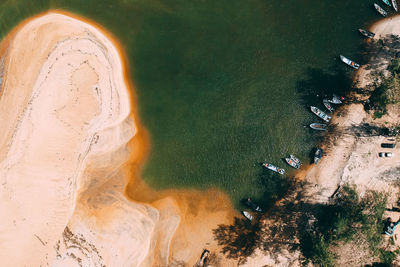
[
  {"x": 366, "y": 33},
  {"x": 318, "y": 155},
  {"x": 394, "y": 4},
  {"x": 274, "y": 168},
  {"x": 328, "y": 105},
  {"x": 350, "y": 62},
  {"x": 387, "y": 2},
  {"x": 320, "y": 114},
  {"x": 318, "y": 126},
  {"x": 380, "y": 10}
]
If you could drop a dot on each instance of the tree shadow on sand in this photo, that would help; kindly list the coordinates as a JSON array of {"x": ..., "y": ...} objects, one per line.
[{"x": 273, "y": 231}]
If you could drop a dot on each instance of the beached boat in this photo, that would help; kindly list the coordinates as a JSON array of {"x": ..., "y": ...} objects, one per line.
[
  {"x": 253, "y": 206},
  {"x": 247, "y": 215},
  {"x": 387, "y": 2},
  {"x": 320, "y": 114},
  {"x": 293, "y": 162},
  {"x": 349, "y": 62},
  {"x": 318, "y": 126},
  {"x": 366, "y": 33},
  {"x": 318, "y": 155},
  {"x": 328, "y": 105},
  {"x": 380, "y": 10},
  {"x": 336, "y": 100},
  {"x": 394, "y": 4},
  {"x": 274, "y": 168}
]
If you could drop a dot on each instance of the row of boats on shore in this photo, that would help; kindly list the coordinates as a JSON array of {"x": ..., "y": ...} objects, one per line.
[
  {"x": 293, "y": 161},
  {"x": 387, "y": 2},
  {"x": 369, "y": 34}
]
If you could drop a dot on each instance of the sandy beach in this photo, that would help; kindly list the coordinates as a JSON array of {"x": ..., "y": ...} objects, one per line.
[{"x": 70, "y": 144}]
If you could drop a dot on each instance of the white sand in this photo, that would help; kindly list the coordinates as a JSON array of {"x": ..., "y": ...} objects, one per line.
[
  {"x": 65, "y": 116},
  {"x": 66, "y": 119}
]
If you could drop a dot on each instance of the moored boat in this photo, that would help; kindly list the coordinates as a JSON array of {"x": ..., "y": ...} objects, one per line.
[
  {"x": 247, "y": 215},
  {"x": 253, "y": 206},
  {"x": 387, "y": 2},
  {"x": 318, "y": 155},
  {"x": 320, "y": 114},
  {"x": 318, "y": 126},
  {"x": 328, "y": 105},
  {"x": 394, "y": 4},
  {"x": 366, "y": 33},
  {"x": 349, "y": 62},
  {"x": 380, "y": 10},
  {"x": 336, "y": 100},
  {"x": 274, "y": 168},
  {"x": 293, "y": 162}
]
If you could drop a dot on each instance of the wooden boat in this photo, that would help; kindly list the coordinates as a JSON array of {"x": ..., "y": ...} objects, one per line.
[
  {"x": 349, "y": 62},
  {"x": 387, "y": 2},
  {"x": 328, "y": 105},
  {"x": 318, "y": 126},
  {"x": 318, "y": 155},
  {"x": 274, "y": 168},
  {"x": 394, "y": 4},
  {"x": 293, "y": 162},
  {"x": 320, "y": 114},
  {"x": 247, "y": 215},
  {"x": 336, "y": 100},
  {"x": 380, "y": 10},
  {"x": 253, "y": 206},
  {"x": 366, "y": 33}
]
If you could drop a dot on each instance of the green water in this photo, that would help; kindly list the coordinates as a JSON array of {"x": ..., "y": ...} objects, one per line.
[{"x": 223, "y": 85}]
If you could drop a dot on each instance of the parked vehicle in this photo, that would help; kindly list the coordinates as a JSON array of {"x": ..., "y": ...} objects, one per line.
[
  {"x": 385, "y": 154},
  {"x": 388, "y": 145}
]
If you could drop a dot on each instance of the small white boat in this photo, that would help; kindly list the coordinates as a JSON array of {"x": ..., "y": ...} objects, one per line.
[
  {"x": 274, "y": 168},
  {"x": 394, "y": 4},
  {"x": 380, "y": 10},
  {"x": 349, "y": 62},
  {"x": 336, "y": 100},
  {"x": 320, "y": 114},
  {"x": 318, "y": 155},
  {"x": 293, "y": 162},
  {"x": 247, "y": 215},
  {"x": 252, "y": 205},
  {"x": 328, "y": 105},
  {"x": 318, "y": 126},
  {"x": 366, "y": 33}
]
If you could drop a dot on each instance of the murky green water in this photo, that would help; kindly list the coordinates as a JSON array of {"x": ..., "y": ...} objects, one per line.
[{"x": 223, "y": 85}]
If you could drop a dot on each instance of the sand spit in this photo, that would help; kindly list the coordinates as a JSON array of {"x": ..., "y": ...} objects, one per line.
[{"x": 69, "y": 144}]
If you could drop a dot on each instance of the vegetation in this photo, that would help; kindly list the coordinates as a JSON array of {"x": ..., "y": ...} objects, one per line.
[
  {"x": 315, "y": 229},
  {"x": 350, "y": 218},
  {"x": 388, "y": 92}
]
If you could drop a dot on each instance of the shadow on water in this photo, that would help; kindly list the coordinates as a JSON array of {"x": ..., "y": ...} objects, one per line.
[{"x": 321, "y": 83}]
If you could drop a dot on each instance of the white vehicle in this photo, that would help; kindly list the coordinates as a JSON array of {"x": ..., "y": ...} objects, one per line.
[{"x": 385, "y": 154}]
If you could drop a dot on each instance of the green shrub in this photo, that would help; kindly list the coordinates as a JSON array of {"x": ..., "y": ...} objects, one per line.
[{"x": 378, "y": 115}]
